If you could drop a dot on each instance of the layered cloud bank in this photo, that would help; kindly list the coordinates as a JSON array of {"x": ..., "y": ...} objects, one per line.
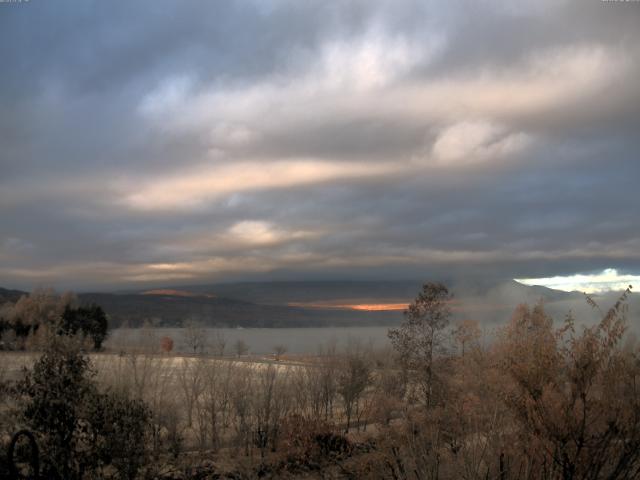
[{"x": 164, "y": 142}]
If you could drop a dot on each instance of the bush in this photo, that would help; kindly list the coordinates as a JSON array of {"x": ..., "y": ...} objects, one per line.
[
  {"x": 166, "y": 344},
  {"x": 309, "y": 442},
  {"x": 80, "y": 431},
  {"x": 119, "y": 429}
]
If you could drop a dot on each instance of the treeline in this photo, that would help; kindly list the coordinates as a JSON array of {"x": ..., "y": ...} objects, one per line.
[
  {"x": 539, "y": 401},
  {"x": 27, "y": 322}
]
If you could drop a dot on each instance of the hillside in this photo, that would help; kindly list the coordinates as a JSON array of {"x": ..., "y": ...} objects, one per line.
[
  {"x": 317, "y": 304},
  {"x": 10, "y": 295},
  {"x": 280, "y": 293},
  {"x": 171, "y": 310}
]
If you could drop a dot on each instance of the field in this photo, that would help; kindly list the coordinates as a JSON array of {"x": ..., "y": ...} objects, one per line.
[{"x": 225, "y": 407}]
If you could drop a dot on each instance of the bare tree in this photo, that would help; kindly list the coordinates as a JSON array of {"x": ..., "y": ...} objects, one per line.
[
  {"x": 190, "y": 374},
  {"x": 325, "y": 381},
  {"x": 388, "y": 392},
  {"x": 311, "y": 380},
  {"x": 271, "y": 404},
  {"x": 241, "y": 348},
  {"x": 421, "y": 335},
  {"x": 219, "y": 343},
  {"x": 194, "y": 335},
  {"x": 241, "y": 412},
  {"x": 301, "y": 391},
  {"x": 353, "y": 379},
  {"x": 215, "y": 404},
  {"x": 466, "y": 333},
  {"x": 279, "y": 350}
]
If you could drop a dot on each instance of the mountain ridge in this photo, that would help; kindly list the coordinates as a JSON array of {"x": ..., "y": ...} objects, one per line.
[{"x": 317, "y": 303}]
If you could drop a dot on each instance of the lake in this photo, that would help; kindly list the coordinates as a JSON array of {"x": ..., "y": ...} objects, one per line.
[{"x": 260, "y": 340}]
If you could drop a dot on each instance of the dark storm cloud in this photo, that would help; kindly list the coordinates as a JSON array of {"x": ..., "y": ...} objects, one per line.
[{"x": 167, "y": 142}]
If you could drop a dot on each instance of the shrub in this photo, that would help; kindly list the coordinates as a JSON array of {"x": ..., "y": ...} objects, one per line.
[
  {"x": 80, "y": 430},
  {"x": 119, "y": 431},
  {"x": 166, "y": 344}
]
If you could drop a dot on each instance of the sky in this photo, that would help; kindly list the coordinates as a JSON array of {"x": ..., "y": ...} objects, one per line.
[{"x": 166, "y": 143}]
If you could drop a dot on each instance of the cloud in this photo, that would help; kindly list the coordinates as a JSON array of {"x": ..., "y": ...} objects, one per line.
[
  {"x": 369, "y": 63},
  {"x": 605, "y": 281},
  {"x": 261, "y": 233},
  {"x": 345, "y": 75},
  {"x": 361, "y": 98},
  {"x": 316, "y": 139},
  {"x": 184, "y": 191},
  {"x": 545, "y": 79},
  {"x": 475, "y": 142}
]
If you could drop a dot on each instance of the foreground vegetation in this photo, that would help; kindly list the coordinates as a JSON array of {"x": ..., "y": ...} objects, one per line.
[{"x": 540, "y": 402}]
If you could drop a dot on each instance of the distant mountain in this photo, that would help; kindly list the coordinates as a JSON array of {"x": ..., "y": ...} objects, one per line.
[
  {"x": 485, "y": 300},
  {"x": 277, "y": 293},
  {"x": 10, "y": 295},
  {"x": 282, "y": 293},
  {"x": 172, "y": 310},
  {"x": 326, "y": 303},
  {"x": 176, "y": 293},
  {"x": 172, "y": 306},
  {"x": 320, "y": 303}
]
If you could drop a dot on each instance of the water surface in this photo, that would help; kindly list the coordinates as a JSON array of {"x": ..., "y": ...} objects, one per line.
[{"x": 261, "y": 341}]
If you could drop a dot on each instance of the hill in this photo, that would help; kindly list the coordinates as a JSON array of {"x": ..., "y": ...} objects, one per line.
[
  {"x": 325, "y": 303},
  {"x": 172, "y": 310},
  {"x": 10, "y": 295}
]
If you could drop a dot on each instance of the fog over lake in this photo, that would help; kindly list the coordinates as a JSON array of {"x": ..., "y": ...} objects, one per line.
[
  {"x": 492, "y": 310},
  {"x": 260, "y": 340}
]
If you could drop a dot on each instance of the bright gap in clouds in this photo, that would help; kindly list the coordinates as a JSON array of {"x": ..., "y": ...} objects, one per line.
[{"x": 605, "y": 281}]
